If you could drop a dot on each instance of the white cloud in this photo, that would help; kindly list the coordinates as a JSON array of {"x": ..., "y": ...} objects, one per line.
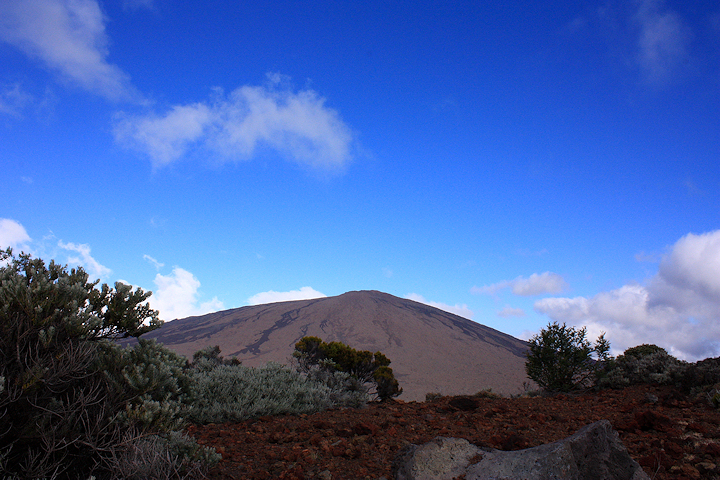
[
  {"x": 663, "y": 40},
  {"x": 546, "y": 282},
  {"x": 176, "y": 296},
  {"x": 165, "y": 138},
  {"x": 677, "y": 309},
  {"x": 69, "y": 37},
  {"x": 13, "y": 235},
  {"x": 693, "y": 266},
  {"x": 85, "y": 260},
  {"x": 305, "y": 293},
  {"x": 298, "y": 125},
  {"x": 536, "y": 284},
  {"x": 490, "y": 289},
  {"x": 457, "y": 309},
  {"x": 509, "y": 311}
]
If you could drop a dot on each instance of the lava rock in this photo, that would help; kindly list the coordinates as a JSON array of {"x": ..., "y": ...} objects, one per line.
[{"x": 595, "y": 452}]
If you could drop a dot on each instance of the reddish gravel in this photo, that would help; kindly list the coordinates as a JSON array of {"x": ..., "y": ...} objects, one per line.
[{"x": 670, "y": 435}]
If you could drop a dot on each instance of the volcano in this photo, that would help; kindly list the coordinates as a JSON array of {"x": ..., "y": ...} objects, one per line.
[{"x": 432, "y": 351}]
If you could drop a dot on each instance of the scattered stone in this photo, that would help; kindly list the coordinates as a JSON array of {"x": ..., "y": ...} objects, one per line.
[{"x": 595, "y": 452}]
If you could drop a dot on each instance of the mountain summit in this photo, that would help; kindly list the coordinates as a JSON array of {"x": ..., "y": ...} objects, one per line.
[{"x": 431, "y": 350}]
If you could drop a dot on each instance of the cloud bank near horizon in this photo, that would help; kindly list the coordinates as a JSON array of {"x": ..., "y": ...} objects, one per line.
[
  {"x": 536, "y": 284},
  {"x": 13, "y": 235},
  {"x": 677, "y": 308},
  {"x": 271, "y": 296},
  {"x": 176, "y": 296},
  {"x": 457, "y": 309}
]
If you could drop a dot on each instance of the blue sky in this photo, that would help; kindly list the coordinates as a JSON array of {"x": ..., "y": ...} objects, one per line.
[{"x": 514, "y": 162}]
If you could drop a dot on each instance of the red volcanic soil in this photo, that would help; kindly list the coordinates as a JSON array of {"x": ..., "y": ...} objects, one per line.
[{"x": 671, "y": 435}]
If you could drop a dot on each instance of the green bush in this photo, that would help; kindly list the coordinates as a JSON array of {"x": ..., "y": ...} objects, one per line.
[
  {"x": 71, "y": 401},
  {"x": 370, "y": 369},
  {"x": 560, "y": 358},
  {"x": 155, "y": 381},
  {"x": 209, "y": 357}
]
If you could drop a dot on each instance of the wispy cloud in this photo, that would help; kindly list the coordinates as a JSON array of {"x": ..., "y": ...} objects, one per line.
[
  {"x": 509, "y": 311},
  {"x": 176, "y": 296},
  {"x": 271, "y": 296},
  {"x": 663, "y": 40},
  {"x": 85, "y": 260},
  {"x": 13, "y": 100},
  {"x": 457, "y": 309},
  {"x": 297, "y": 125},
  {"x": 678, "y": 308},
  {"x": 536, "y": 284},
  {"x": 157, "y": 264},
  {"x": 138, "y": 4},
  {"x": 69, "y": 37},
  {"x": 648, "y": 257}
]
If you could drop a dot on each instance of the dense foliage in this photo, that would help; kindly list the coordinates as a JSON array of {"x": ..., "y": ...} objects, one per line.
[
  {"x": 72, "y": 403},
  {"x": 370, "y": 369},
  {"x": 560, "y": 358}
]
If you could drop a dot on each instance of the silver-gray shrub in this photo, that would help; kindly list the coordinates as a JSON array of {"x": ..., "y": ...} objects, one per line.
[
  {"x": 658, "y": 368},
  {"x": 231, "y": 393}
]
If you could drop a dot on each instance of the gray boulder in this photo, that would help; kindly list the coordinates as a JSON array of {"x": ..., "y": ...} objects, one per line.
[
  {"x": 595, "y": 452},
  {"x": 441, "y": 458}
]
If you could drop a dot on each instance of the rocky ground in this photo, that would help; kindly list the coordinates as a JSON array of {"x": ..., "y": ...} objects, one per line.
[{"x": 671, "y": 435}]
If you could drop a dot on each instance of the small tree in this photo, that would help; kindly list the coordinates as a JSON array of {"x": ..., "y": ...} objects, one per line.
[
  {"x": 367, "y": 367},
  {"x": 560, "y": 358}
]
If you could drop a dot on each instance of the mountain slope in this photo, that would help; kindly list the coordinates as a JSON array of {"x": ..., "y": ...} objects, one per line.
[{"x": 431, "y": 350}]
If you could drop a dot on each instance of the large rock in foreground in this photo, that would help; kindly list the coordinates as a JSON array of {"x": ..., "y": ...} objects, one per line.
[{"x": 595, "y": 452}]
